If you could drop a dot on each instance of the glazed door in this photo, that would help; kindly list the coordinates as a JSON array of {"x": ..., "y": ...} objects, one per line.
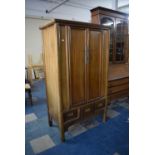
[
  {"x": 77, "y": 67},
  {"x": 109, "y": 22},
  {"x": 121, "y": 39},
  {"x": 95, "y": 65}
]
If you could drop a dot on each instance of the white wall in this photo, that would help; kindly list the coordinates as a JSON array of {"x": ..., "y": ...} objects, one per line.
[
  {"x": 33, "y": 39},
  {"x": 78, "y": 10}
]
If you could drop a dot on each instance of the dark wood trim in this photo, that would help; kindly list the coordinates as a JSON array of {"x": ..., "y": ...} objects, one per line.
[{"x": 113, "y": 12}]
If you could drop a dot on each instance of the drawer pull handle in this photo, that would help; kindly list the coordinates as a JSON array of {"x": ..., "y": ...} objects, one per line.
[
  {"x": 87, "y": 110},
  {"x": 70, "y": 114},
  {"x": 100, "y": 105}
]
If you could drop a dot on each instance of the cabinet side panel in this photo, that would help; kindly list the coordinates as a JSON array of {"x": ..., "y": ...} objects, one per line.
[{"x": 51, "y": 71}]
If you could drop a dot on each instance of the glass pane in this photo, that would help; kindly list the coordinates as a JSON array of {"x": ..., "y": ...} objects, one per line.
[
  {"x": 121, "y": 32},
  {"x": 109, "y": 23}
]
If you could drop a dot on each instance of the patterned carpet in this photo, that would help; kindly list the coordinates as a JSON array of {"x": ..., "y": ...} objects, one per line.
[{"x": 42, "y": 139}]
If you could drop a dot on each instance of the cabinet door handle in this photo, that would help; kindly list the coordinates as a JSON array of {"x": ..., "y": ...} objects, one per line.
[
  {"x": 100, "y": 105},
  {"x": 70, "y": 114},
  {"x": 87, "y": 110},
  {"x": 87, "y": 57}
]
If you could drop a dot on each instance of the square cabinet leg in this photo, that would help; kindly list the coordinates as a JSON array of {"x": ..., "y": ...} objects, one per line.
[
  {"x": 62, "y": 136},
  {"x": 50, "y": 121}
]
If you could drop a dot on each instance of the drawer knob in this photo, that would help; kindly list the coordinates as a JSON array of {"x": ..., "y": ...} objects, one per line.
[
  {"x": 100, "y": 105},
  {"x": 87, "y": 110},
  {"x": 70, "y": 114}
]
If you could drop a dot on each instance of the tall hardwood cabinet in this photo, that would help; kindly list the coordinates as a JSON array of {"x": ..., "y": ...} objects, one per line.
[
  {"x": 119, "y": 49},
  {"x": 118, "y": 25},
  {"x": 76, "y": 66}
]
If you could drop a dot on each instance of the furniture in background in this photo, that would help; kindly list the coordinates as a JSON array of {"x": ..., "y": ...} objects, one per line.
[
  {"x": 119, "y": 49},
  {"x": 28, "y": 86},
  {"x": 35, "y": 71},
  {"x": 76, "y": 66},
  {"x": 118, "y": 85}
]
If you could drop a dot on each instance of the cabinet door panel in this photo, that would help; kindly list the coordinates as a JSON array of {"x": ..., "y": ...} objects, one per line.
[
  {"x": 77, "y": 65},
  {"x": 94, "y": 65}
]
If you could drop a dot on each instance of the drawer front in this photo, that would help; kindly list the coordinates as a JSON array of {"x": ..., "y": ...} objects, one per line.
[
  {"x": 100, "y": 104},
  {"x": 87, "y": 110},
  {"x": 118, "y": 95},
  {"x": 71, "y": 115},
  {"x": 118, "y": 88},
  {"x": 118, "y": 82}
]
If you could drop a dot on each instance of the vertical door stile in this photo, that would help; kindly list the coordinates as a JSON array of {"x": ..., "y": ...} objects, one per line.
[
  {"x": 106, "y": 64},
  {"x": 87, "y": 65},
  {"x": 67, "y": 52},
  {"x": 100, "y": 65},
  {"x": 114, "y": 50},
  {"x": 68, "y": 37},
  {"x": 103, "y": 80}
]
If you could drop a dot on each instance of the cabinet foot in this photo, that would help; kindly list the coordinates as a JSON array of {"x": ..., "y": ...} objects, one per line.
[
  {"x": 62, "y": 136},
  {"x": 50, "y": 123}
]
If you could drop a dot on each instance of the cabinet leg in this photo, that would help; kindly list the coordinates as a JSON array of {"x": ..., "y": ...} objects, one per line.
[
  {"x": 62, "y": 133},
  {"x": 62, "y": 137},
  {"x": 105, "y": 114},
  {"x": 105, "y": 111},
  {"x": 50, "y": 122},
  {"x": 104, "y": 117}
]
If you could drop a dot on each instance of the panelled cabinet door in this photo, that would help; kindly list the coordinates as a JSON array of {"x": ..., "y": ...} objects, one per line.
[
  {"x": 94, "y": 65},
  {"x": 77, "y": 68}
]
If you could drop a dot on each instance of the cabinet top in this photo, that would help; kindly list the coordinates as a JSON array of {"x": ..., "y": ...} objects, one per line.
[
  {"x": 100, "y": 9},
  {"x": 73, "y": 23}
]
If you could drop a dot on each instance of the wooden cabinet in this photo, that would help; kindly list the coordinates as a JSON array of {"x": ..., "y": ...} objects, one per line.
[
  {"x": 117, "y": 22},
  {"x": 76, "y": 59},
  {"x": 118, "y": 77}
]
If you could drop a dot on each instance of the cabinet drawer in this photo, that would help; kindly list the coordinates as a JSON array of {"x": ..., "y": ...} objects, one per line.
[
  {"x": 71, "y": 115},
  {"x": 118, "y": 88},
  {"x": 118, "y": 95},
  {"x": 100, "y": 104},
  {"x": 87, "y": 110},
  {"x": 118, "y": 82}
]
